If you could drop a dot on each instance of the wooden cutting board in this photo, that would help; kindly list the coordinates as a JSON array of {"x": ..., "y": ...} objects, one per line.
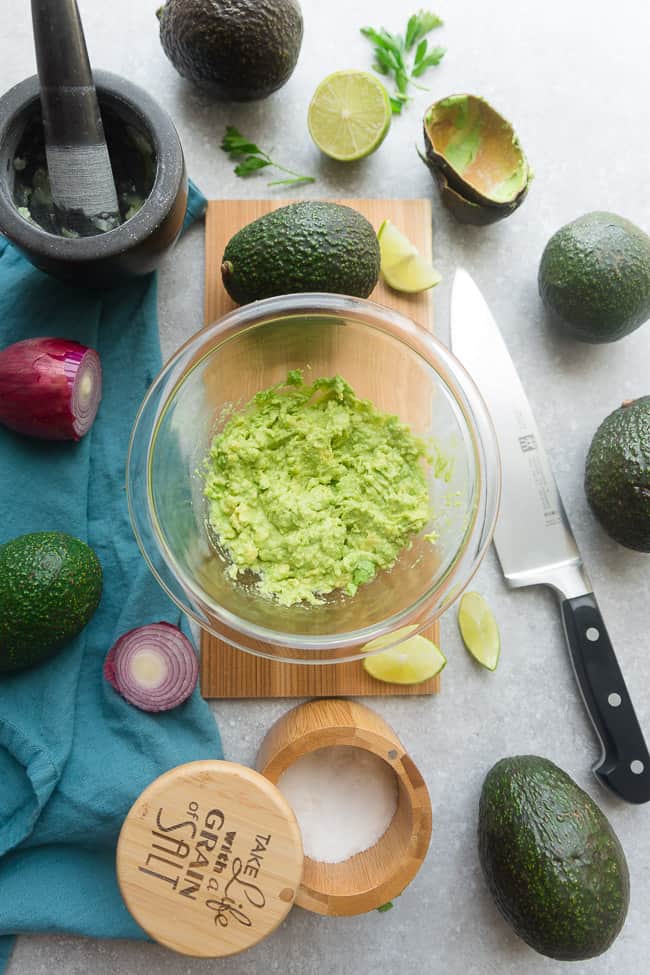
[{"x": 225, "y": 671}]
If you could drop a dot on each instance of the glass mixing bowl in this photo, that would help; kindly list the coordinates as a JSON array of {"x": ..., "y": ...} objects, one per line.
[{"x": 386, "y": 358}]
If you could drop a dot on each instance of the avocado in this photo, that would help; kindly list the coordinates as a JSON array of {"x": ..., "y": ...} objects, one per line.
[
  {"x": 235, "y": 49},
  {"x": 551, "y": 859},
  {"x": 302, "y": 247},
  {"x": 617, "y": 474},
  {"x": 457, "y": 130},
  {"x": 594, "y": 277},
  {"x": 50, "y": 586}
]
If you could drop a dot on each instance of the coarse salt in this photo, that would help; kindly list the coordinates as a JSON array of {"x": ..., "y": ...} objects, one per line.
[{"x": 344, "y": 799}]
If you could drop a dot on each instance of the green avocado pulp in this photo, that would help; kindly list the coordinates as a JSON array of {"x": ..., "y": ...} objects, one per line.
[
  {"x": 480, "y": 146},
  {"x": 314, "y": 490}
]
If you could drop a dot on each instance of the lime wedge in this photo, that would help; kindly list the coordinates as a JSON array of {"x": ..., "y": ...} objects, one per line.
[
  {"x": 403, "y": 268},
  {"x": 414, "y": 660},
  {"x": 349, "y": 115},
  {"x": 479, "y": 630}
]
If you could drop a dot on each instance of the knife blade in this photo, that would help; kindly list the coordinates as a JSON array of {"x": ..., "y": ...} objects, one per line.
[{"x": 536, "y": 546}]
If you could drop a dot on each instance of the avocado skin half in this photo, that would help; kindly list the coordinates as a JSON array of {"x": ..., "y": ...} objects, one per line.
[
  {"x": 238, "y": 50},
  {"x": 594, "y": 277},
  {"x": 466, "y": 210},
  {"x": 308, "y": 246},
  {"x": 463, "y": 200},
  {"x": 50, "y": 587},
  {"x": 617, "y": 474},
  {"x": 551, "y": 859}
]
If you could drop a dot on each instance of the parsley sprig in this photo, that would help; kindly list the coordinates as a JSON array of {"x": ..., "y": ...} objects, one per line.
[
  {"x": 394, "y": 54},
  {"x": 252, "y": 159}
]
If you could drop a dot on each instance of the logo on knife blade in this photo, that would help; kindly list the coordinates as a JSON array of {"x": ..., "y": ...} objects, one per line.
[{"x": 527, "y": 443}]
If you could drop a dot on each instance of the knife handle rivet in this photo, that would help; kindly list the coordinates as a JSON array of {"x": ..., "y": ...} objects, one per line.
[
  {"x": 637, "y": 767},
  {"x": 592, "y": 634},
  {"x": 614, "y": 700}
]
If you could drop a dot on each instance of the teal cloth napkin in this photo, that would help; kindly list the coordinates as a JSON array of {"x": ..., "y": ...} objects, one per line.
[{"x": 73, "y": 754}]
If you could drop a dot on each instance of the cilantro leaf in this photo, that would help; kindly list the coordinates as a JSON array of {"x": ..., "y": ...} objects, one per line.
[
  {"x": 433, "y": 58},
  {"x": 420, "y": 50},
  {"x": 236, "y": 144},
  {"x": 379, "y": 38},
  {"x": 250, "y": 165},
  {"x": 419, "y": 26},
  {"x": 252, "y": 159},
  {"x": 387, "y": 61},
  {"x": 391, "y": 53}
]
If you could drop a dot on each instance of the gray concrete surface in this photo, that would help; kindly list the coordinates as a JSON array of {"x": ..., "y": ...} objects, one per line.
[{"x": 574, "y": 77}]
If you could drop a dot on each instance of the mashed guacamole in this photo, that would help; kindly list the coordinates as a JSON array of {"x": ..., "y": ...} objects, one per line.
[{"x": 313, "y": 489}]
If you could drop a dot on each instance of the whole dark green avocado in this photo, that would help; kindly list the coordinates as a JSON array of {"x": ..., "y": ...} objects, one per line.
[
  {"x": 307, "y": 246},
  {"x": 551, "y": 859},
  {"x": 236, "y": 49},
  {"x": 50, "y": 586},
  {"x": 594, "y": 277},
  {"x": 617, "y": 474}
]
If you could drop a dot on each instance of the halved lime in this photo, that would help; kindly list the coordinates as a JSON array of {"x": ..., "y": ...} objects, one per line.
[
  {"x": 414, "y": 660},
  {"x": 349, "y": 115},
  {"x": 402, "y": 266},
  {"x": 479, "y": 630}
]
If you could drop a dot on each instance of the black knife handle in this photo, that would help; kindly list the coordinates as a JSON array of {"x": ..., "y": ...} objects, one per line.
[{"x": 625, "y": 767}]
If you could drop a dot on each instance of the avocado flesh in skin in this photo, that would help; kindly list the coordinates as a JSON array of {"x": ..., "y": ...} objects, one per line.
[
  {"x": 594, "y": 277},
  {"x": 301, "y": 247},
  {"x": 617, "y": 474},
  {"x": 467, "y": 211},
  {"x": 50, "y": 586},
  {"x": 551, "y": 859},
  {"x": 236, "y": 49},
  {"x": 473, "y": 153}
]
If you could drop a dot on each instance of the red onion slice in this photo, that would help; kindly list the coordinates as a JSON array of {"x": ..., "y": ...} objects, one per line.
[
  {"x": 154, "y": 667},
  {"x": 49, "y": 388}
]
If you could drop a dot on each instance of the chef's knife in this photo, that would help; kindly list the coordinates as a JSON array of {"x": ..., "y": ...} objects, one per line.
[{"x": 536, "y": 546}]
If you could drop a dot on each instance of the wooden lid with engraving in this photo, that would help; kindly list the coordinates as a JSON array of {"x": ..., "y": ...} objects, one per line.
[{"x": 209, "y": 859}]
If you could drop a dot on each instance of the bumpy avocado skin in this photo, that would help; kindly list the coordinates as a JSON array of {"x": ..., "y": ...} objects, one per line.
[
  {"x": 617, "y": 474},
  {"x": 50, "y": 586},
  {"x": 594, "y": 277},
  {"x": 308, "y": 246},
  {"x": 551, "y": 859},
  {"x": 236, "y": 49}
]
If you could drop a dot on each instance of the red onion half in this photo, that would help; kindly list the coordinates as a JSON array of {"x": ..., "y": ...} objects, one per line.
[
  {"x": 49, "y": 388},
  {"x": 154, "y": 667}
]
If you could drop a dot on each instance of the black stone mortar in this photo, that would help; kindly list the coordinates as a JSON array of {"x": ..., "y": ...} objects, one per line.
[{"x": 138, "y": 245}]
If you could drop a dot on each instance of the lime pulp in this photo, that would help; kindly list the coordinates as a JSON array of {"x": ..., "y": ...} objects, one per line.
[
  {"x": 349, "y": 115},
  {"x": 413, "y": 661},
  {"x": 479, "y": 630},
  {"x": 402, "y": 266}
]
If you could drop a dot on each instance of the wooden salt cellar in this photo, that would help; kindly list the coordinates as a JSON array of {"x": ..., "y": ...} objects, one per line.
[
  {"x": 210, "y": 858},
  {"x": 377, "y": 875}
]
